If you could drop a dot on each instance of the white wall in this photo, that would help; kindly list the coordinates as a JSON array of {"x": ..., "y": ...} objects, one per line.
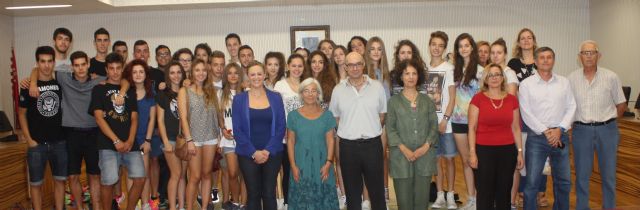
[
  {"x": 6, "y": 42},
  {"x": 615, "y": 26},
  {"x": 559, "y": 24}
]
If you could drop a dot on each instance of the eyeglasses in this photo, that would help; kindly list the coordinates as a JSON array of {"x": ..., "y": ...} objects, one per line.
[
  {"x": 589, "y": 53},
  {"x": 185, "y": 60},
  {"x": 354, "y": 65},
  {"x": 309, "y": 92},
  {"x": 494, "y": 75},
  {"x": 164, "y": 55}
]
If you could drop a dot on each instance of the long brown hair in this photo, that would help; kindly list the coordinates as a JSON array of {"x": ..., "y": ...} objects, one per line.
[
  {"x": 167, "y": 79},
  {"x": 210, "y": 95},
  {"x": 472, "y": 67},
  {"x": 226, "y": 89},
  {"x": 383, "y": 63},
  {"x": 327, "y": 77},
  {"x": 517, "y": 50}
]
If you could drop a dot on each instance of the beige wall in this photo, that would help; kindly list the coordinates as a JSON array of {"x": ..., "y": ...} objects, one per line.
[
  {"x": 615, "y": 25},
  {"x": 559, "y": 24},
  {"x": 6, "y": 41}
]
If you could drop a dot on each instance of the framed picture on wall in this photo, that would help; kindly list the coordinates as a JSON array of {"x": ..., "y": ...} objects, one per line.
[{"x": 308, "y": 36}]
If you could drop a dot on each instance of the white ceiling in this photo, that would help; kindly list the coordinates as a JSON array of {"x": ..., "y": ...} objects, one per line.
[{"x": 108, "y": 6}]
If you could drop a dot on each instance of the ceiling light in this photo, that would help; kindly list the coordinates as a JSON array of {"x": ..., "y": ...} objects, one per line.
[{"x": 39, "y": 7}]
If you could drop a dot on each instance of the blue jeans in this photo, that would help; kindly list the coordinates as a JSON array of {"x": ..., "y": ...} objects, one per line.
[
  {"x": 538, "y": 149},
  {"x": 37, "y": 157},
  {"x": 604, "y": 139},
  {"x": 110, "y": 161}
]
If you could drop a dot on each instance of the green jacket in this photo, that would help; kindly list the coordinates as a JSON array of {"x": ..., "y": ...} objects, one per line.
[{"x": 413, "y": 129}]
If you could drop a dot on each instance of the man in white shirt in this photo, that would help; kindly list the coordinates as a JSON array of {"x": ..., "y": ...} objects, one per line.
[
  {"x": 359, "y": 105},
  {"x": 598, "y": 93},
  {"x": 548, "y": 107}
]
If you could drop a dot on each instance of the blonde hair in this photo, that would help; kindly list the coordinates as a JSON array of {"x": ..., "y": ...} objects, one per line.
[
  {"x": 383, "y": 65},
  {"x": 485, "y": 77},
  {"x": 210, "y": 95},
  {"x": 517, "y": 50}
]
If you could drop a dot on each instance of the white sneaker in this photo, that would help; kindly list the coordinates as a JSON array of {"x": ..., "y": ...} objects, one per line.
[
  {"x": 471, "y": 204},
  {"x": 451, "y": 201},
  {"x": 386, "y": 194},
  {"x": 366, "y": 205},
  {"x": 440, "y": 202},
  {"x": 146, "y": 206},
  {"x": 280, "y": 203},
  {"x": 286, "y": 206},
  {"x": 343, "y": 202}
]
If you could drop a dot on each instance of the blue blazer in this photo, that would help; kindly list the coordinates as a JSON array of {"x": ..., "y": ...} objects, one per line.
[{"x": 242, "y": 124}]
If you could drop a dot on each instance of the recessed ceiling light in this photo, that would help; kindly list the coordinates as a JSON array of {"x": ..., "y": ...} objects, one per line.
[{"x": 39, "y": 7}]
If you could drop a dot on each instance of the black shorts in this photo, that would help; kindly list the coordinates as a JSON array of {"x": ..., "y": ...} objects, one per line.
[
  {"x": 460, "y": 128},
  {"x": 81, "y": 144}
]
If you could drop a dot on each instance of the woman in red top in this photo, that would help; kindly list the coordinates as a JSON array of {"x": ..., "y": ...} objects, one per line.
[{"x": 494, "y": 140}]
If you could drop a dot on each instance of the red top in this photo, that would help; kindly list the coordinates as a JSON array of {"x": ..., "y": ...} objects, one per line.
[{"x": 494, "y": 125}]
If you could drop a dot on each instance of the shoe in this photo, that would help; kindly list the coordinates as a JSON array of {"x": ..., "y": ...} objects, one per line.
[
  {"x": 214, "y": 196},
  {"x": 451, "y": 200},
  {"x": 542, "y": 200},
  {"x": 513, "y": 206},
  {"x": 114, "y": 205},
  {"x": 146, "y": 206},
  {"x": 366, "y": 205},
  {"x": 199, "y": 200},
  {"x": 164, "y": 204},
  {"x": 280, "y": 203},
  {"x": 153, "y": 204},
  {"x": 343, "y": 202},
  {"x": 440, "y": 201},
  {"x": 386, "y": 194},
  {"x": 471, "y": 204}
]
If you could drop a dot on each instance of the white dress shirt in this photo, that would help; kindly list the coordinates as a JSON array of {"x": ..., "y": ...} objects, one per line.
[
  {"x": 597, "y": 99},
  {"x": 546, "y": 104}
]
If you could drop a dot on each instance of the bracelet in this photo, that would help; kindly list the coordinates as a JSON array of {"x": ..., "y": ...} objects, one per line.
[
  {"x": 116, "y": 142},
  {"x": 446, "y": 117},
  {"x": 330, "y": 161},
  {"x": 147, "y": 140}
]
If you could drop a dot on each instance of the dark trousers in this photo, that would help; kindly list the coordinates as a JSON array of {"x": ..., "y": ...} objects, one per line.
[
  {"x": 494, "y": 176},
  {"x": 358, "y": 159},
  {"x": 286, "y": 170},
  {"x": 261, "y": 181},
  {"x": 164, "y": 177}
]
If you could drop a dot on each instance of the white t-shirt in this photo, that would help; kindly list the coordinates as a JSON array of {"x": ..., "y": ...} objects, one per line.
[
  {"x": 227, "y": 119},
  {"x": 510, "y": 75},
  {"x": 445, "y": 69},
  {"x": 290, "y": 98}
]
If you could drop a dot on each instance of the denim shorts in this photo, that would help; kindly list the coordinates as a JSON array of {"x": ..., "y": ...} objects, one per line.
[
  {"x": 37, "y": 157},
  {"x": 227, "y": 150},
  {"x": 156, "y": 146},
  {"x": 207, "y": 142},
  {"x": 110, "y": 161},
  {"x": 447, "y": 147}
]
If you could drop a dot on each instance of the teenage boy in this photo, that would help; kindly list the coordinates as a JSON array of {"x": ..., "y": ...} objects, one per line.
[
  {"x": 118, "y": 125},
  {"x": 40, "y": 119},
  {"x": 62, "y": 39},
  {"x": 102, "y": 42}
]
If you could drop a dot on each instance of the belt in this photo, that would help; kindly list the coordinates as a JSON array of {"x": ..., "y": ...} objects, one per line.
[
  {"x": 596, "y": 123},
  {"x": 360, "y": 140},
  {"x": 78, "y": 129}
]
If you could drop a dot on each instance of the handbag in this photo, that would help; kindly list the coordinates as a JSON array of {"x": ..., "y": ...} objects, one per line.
[{"x": 181, "y": 150}]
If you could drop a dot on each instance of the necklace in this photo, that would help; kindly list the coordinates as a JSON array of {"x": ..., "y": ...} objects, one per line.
[
  {"x": 413, "y": 98},
  {"x": 497, "y": 106}
]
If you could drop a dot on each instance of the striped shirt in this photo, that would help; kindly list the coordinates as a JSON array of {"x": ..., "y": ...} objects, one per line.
[{"x": 596, "y": 100}]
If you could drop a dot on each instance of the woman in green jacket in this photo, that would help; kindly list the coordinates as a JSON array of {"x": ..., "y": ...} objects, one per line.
[{"x": 413, "y": 135}]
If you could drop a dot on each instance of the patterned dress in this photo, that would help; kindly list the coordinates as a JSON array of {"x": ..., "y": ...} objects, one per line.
[{"x": 311, "y": 193}]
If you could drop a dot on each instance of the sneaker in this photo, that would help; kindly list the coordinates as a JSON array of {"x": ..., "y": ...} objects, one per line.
[
  {"x": 514, "y": 207},
  {"x": 146, "y": 206},
  {"x": 164, "y": 204},
  {"x": 451, "y": 200},
  {"x": 386, "y": 194},
  {"x": 366, "y": 205},
  {"x": 440, "y": 201},
  {"x": 153, "y": 204},
  {"x": 214, "y": 196},
  {"x": 280, "y": 203},
  {"x": 199, "y": 200},
  {"x": 471, "y": 204},
  {"x": 343, "y": 202}
]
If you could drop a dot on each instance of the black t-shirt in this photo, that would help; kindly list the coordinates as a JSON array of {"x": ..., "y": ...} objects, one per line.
[
  {"x": 44, "y": 115},
  {"x": 118, "y": 117},
  {"x": 171, "y": 116},
  {"x": 522, "y": 70},
  {"x": 156, "y": 76},
  {"x": 98, "y": 67}
]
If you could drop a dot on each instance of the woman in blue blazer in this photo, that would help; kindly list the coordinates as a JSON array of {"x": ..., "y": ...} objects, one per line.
[{"x": 258, "y": 128}]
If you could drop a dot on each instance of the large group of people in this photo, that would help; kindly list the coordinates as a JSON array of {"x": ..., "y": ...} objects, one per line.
[{"x": 333, "y": 123}]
